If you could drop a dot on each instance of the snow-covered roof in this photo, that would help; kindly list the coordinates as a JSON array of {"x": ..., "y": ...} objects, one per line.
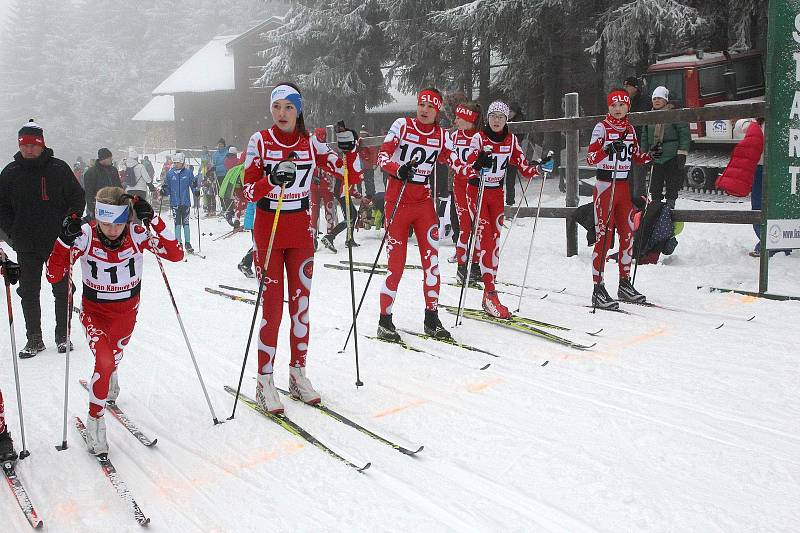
[
  {"x": 209, "y": 69},
  {"x": 401, "y": 102},
  {"x": 160, "y": 109}
]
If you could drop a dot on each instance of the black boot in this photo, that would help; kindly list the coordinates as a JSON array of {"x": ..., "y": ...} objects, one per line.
[
  {"x": 628, "y": 293},
  {"x": 461, "y": 273},
  {"x": 327, "y": 242},
  {"x": 386, "y": 329},
  {"x": 61, "y": 344},
  {"x": 433, "y": 326},
  {"x": 601, "y": 298},
  {"x": 33, "y": 346},
  {"x": 7, "y": 452},
  {"x": 246, "y": 270},
  {"x": 475, "y": 275},
  {"x": 351, "y": 243}
]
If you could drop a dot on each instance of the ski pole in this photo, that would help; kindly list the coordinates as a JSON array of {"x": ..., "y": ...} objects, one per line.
[
  {"x": 641, "y": 221},
  {"x": 348, "y": 221},
  {"x": 516, "y": 213},
  {"x": 4, "y": 259},
  {"x": 154, "y": 247},
  {"x": 260, "y": 294},
  {"x": 63, "y": 445},
  {"x": 375, "y": 263},
  {"x": 199, "y": 241},
  {"x": 603, "y": 250},
  {"x": 530, "y": 246},
  {"x": 476, "y": 220}
]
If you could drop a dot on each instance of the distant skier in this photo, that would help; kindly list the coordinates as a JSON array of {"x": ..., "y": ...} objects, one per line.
[
  {"x": 322, "y": 195},
  {"x": 503, "y": 153},
  {"x": 408, "y": 154},
  {"x": 613, "y": 149},
  {"x": 180, "y": 184},
  {"x": 266, "y": 172},
  {"x": 111, "y": 255},
  {"x": 468, "y": 116}
]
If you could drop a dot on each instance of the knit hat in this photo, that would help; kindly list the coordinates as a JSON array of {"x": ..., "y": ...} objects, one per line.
[
  {"x": 619, "y": 95},
  {"x": 221, "y": 141},
  {"x": 633, "y": 81},
  {"x": 232, "y": 150},
  {"x": 31, "y": 133},
  {"x": 179, "y": 157},
  {"x": 661, "y": 92},
  {"x": 499, "y": 107},
  {"x": 103, "y": 153}
]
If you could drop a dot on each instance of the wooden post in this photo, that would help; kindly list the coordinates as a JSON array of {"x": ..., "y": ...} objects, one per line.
[{"x": 571, "y": 176}]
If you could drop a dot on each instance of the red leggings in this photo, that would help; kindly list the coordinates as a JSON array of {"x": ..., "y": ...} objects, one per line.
[
  {"x": 299, "y": 265},
  {"x": 490, "y": 224},
  {"x": 108, "y": 326},
  {"x": 621, "y": 218},
  {"x": 321, "y": 196},
  {"x": 464, "y": 213},
  {"x": 422, "y": 218},
  {"x": 2, "y": 414}
]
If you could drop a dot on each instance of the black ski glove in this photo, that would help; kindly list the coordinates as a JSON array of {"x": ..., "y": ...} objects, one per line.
[
  {"x": 11, "y": 272},
  {"x": 70, "y": 229},
  {"x": 144, "y": 211},
  {"x": 406, "y": 170},
  {"x": 657, "y": 151},
  {"x": 615, "y": 146},
  {"x": 484, "y": 160},
  {"x": 346, "y": 140},
  {"x": 284, "y": 172}
]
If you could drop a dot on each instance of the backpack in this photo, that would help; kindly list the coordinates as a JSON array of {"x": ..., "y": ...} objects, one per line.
[{"x": 130, "y": 177}]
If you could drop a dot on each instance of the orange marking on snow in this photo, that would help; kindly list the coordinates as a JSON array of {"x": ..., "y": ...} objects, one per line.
[
  {"x": 393, "y": 410},
  {"x": 480, "y": 387},
  {"x": 615, "y": 348}
]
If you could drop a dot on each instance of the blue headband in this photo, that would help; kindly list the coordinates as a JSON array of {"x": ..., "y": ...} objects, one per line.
[
  {"x": 111, "y": 214},
  {"x": 285, "y": 92}
]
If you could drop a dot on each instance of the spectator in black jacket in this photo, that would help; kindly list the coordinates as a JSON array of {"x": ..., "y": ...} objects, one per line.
[
  {"x": 102, "y": 174},
  {"x": 37, "y": 191}
]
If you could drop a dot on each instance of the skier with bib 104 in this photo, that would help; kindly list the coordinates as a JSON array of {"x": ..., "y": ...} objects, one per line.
[{"x": 613, "y": 150}]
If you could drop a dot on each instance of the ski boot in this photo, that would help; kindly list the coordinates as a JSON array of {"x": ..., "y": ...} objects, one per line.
[
  {"x": 493, "y": 307},
  {"x": 475, "y": 275},
  {"x": 300, "y": 387},
  {"x": 327, "y": 242},
  {"x": 7, "y": 452},
  {"x": 188, "y": 248},
  {"x": 453, "y": 258},
  {"x": 32, "y": 347},
  {"x": 267, "y": 395},
  {"x": 433, "y": 326},
  {"x": 601, "y": 298},
  {"x": 246, "y": 270},
  {"x": 96, "y": 441},
  {"x": 386, "y": 329},
  {"x": 113, "y": 388},
  {"x": 628, "y": 293},
  {"x": 351, "y": 243},
  {"x": 461, "y": 273},
  {"x": 61, "y": 344}
]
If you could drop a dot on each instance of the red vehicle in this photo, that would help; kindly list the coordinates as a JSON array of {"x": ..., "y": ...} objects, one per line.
[{"x": 698, "y": 79}]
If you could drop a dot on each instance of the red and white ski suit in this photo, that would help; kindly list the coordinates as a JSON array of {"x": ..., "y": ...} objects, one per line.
[
  {"x": 460, "y": 141},
  {"x": 111, "y": 286},
  {"x": 2, "y": 413},
  {"x": 293, "y": 248},
  {"x": 619, "y": 214},
  {"x": 322, "y": 197},
  {"x": 490, "y": 221},
  {"x": 409, "y": 140}
]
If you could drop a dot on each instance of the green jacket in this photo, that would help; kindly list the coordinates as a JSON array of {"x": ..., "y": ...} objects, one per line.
[
  {"x": 675, "y": 140},
  {"x": 234, "y": 178}
]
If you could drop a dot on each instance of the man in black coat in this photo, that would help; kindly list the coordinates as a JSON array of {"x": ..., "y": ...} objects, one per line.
[
  {"x": 102, "y": 174},
  {"x": 37, "y": 191}
]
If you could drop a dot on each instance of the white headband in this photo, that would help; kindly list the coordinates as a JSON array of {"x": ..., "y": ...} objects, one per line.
[{"x": 111, "y": 214}]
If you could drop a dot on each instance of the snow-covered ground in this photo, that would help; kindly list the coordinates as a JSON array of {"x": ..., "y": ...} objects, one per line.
[{"x": 668, "y": 424}]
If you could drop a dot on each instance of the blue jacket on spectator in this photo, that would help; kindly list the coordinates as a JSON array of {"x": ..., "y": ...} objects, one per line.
[
  {"x": 181, "y": 185},
  {"x": 218, "y": 160}
]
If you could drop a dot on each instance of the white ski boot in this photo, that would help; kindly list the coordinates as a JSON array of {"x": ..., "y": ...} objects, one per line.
[
  {"x": 113, "y": 388},
  {"x": 300, "y": 387},
  {"x": 96, "y": 435},
  {"x": 267, "y": 395}
]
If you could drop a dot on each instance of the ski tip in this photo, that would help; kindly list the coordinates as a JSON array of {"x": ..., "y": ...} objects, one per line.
[
  {"x": 545, "y": 296},
  {"x": 365, "y": 467},
  {"x": 751, "y": 318},
  {"x": 487, "y": 365},
  {"x": 419, "y": 450},
  {"x": 144, "y": 522},
  {"x": 152, "y": 443},
  {"x": 720, "y": 326},
  {"x": 595, "y": 333},
  {"x": 585, "y": 347},
  {"x": 545, "y": 363}
]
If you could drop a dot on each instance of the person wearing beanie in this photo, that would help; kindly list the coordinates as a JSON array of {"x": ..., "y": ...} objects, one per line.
[
  {"x": 181, "y": 185},
  {"x": 409, "y": 154},
  {"x": 669, "y": 145},
  {"x": 137, "y": 180},
  {"x": 613, "y": 150},
  {"x": 37, "y": 191},
  {"x": 493, "y": 150},
  {"x": 102, "y": 174}
]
